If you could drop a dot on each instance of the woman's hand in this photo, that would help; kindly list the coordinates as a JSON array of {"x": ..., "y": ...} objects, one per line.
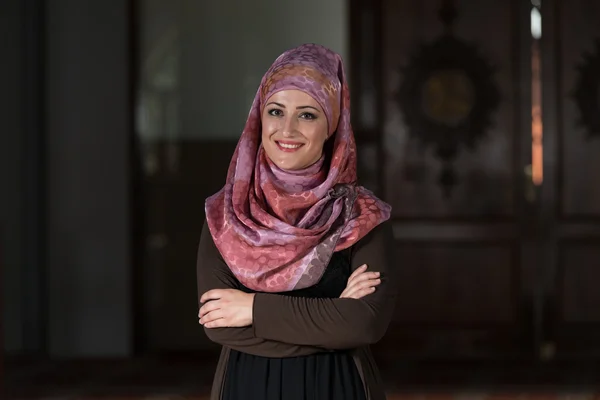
[
  {"x": 361, "y": 283},
  {"x": 226, "y": 308}
]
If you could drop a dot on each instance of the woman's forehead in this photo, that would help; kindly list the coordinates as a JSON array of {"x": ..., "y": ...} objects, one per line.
[{"x": 293, "y": 96}]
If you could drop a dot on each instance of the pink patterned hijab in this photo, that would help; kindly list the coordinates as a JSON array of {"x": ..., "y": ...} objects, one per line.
[{"x": 277, "y": 229}]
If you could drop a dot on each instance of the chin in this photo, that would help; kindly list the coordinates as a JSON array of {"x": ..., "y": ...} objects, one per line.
[{"x": 291, "y": 165}]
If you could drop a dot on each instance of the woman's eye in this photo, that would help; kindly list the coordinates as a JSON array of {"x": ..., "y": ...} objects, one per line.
[
  {"x": 276, "y": 112},
  {"x": 308, "y": 116}
]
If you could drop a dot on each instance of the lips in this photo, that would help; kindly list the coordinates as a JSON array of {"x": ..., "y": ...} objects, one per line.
[{"x": 288, "y": 146}]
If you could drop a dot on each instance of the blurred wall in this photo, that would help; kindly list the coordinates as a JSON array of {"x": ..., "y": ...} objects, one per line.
[
  {"x": 84, "y": 308},
  {"x": 88, "y": 127},
  {"x": 11, "y": 152}
]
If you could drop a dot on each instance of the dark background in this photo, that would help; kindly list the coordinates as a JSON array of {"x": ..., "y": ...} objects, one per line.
[{"x": 118, "y": 118}]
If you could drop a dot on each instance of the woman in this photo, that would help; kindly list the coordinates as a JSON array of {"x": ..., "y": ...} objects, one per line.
[{"x": 292, "y": 274}]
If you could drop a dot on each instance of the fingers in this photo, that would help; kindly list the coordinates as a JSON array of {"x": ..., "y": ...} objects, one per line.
[
  {"x": 213, "y": 294},
  {"x": 357, "y": 272},
  {"x": 365, "y": 276},
  {"x": 218, "y": 323},
  {"x": 362, "y": 288},
  {"x": 360, "y": 275},
  {"x": 361, "y": 281},
  {"x": 359, "y": 294},
  {"x": 211, "y": 317},
  {"x": 208, "y": 307}
]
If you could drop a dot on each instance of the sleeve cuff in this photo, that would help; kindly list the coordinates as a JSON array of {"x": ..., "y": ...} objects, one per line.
[
  {"x": 264, "y": 313},
  {"x": 256, "y": 317}
]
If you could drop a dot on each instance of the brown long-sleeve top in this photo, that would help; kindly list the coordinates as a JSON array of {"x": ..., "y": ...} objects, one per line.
[{"x": 286, "y": 326}]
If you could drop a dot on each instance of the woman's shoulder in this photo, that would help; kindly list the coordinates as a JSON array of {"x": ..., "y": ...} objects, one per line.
[
  {"x": 383, "y": 231},
  {"x": 377, "y": 240}
]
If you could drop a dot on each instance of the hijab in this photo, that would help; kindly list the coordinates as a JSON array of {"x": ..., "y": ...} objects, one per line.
[{"x": 277, "y": 229}]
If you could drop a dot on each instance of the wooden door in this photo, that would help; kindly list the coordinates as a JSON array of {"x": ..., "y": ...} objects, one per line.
[
  {"x": 571, "y": 189},
  {"x": 442, "y": 112}
]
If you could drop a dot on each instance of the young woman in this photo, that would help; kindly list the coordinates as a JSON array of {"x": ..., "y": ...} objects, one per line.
[{"x": 293, "y": 278}]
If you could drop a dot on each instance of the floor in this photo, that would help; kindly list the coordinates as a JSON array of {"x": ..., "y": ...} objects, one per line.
[{"x": 179, "y": 379}]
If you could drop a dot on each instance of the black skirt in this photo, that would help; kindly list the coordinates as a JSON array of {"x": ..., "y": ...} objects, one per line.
[{"x": 325, "y": 376}]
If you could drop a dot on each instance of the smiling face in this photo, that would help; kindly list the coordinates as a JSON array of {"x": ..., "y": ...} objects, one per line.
[{"x": 294, "y": 129}]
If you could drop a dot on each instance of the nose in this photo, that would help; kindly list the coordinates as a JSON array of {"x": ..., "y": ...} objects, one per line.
[{"x": 289, "y": 126}]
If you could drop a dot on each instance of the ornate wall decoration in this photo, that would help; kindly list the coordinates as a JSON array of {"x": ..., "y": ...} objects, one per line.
[
  {"x": 586, "y": 93},
  {"x": 448, "y": 96}
]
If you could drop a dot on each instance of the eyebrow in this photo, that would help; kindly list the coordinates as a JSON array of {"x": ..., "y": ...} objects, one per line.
[{"x": 297, "y": 108}]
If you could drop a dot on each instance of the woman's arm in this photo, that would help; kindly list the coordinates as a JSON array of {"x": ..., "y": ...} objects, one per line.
[
  {"x": 334, "y": 323},
  {"x": 213, "y": 273}
]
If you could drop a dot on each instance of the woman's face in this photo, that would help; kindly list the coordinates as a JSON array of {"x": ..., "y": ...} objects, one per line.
[{"x": 294, "y": 129}]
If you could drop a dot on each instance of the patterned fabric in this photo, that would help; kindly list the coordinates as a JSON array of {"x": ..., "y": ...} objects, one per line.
[{"x": 277, "y": 229}]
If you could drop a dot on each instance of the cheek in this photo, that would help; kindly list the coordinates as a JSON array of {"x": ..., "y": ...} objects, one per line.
[
  {"x": 265, "y": 129},
  {"x": 263, "y": 133},
  {"x": 318, "y": 136},
  {"x": 268, "y": 127}
]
